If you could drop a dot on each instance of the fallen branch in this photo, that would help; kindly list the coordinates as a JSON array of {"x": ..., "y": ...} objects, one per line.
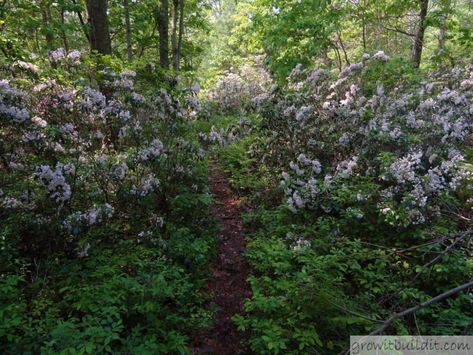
[
  {"x": 353, "y": 313},
  {"x": 340, "y": 307},
  {"x": 414, "y": 309}
]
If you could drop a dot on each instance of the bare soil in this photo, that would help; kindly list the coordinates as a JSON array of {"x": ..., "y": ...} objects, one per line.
[{"x": 227, "y": 284}]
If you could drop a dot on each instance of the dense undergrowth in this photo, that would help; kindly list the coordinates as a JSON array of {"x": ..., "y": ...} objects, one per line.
[
  {"x": 106, "y": 235},
  {"x": 354, "y": 171},
  {"x": 361, "y": 193},
  {"x": 358, "y": 189}
]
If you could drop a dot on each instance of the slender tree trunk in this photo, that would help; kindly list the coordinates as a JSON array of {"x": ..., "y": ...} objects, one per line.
[
  {"x": 36, "y": 41},
  {"x": 175, "y": 14},
  {"x": 82, "y": 22},
  {"x": 342, "y": 46},
  {"x": 98, "y": 22},
  {"x": 46, "y": 14},
  {"x": 178, "y": 13},
  {"x": 339, "y": 58},
  {"x": 63, "y": 30},
  {"x": 128, "y": 31},
  {"x": 443, "y": 32},
  {"x": 181, "y": 32},
  {"x": 164, "y": 34},
  {"x": 363, "y": 21},
  {"x": 419, "y": 38},
  {"x": 446, "y": 12}
]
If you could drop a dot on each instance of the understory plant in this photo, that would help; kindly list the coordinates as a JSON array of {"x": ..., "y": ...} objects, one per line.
[
  {"x": 105, "y": 232},
  {"x": 376, "y": 218}
]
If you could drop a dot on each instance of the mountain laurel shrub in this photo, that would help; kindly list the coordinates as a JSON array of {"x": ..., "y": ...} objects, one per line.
[
  {"x": 375, "y": 165},
  {"x": 97, "y": 185},
  {"x": 396, "y": 155},
  {"x": 239, "y": 90}
]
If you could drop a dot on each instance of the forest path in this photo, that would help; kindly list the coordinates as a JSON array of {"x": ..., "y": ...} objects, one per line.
[{"x": 227, "y": 284}]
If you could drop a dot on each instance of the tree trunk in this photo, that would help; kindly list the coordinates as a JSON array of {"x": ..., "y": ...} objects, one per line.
[
  {"x": 98, "y": 22},
  {"x": 128, "y": 31},
  {"x": 82, "y": 22},
  {"x": 443, "y": 32},
  {"x": 419, "y": 38},
  {"x": 175, "y": 14},
  {"x": 181, "y": 32},
  {"x": 363, "y": 22},
  {"x": 342, "y": 46},
  {"x": 446, "y": 10},
  {"x": 178, "y": 13},
  {"x": 63, "y": 30},
  {"x": 46, "y": 14},
  {"x": 163, "y": 34}
]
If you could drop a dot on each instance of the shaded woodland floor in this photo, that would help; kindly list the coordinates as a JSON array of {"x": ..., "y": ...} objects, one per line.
[{"x": 227, "y": 284}]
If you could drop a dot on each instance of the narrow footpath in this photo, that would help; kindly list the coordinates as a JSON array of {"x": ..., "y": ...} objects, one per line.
[{"x": 227, "y": 284}]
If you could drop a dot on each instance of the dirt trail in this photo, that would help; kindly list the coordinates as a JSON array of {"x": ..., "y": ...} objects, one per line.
[{"x": 227, "y": 283}]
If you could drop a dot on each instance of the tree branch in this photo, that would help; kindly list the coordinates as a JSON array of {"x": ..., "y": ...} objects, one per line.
[
  {"x": 399, "y": 31},
  {"x": 414, "y": 309},
  {"x": 445, "y": 251},
  {"x": 83, "y": 24}
]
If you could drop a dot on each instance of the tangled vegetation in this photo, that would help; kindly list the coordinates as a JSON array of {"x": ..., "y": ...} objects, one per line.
[
  {"x": 100, "y": 198},
  {"x": 344, "y": 128}
]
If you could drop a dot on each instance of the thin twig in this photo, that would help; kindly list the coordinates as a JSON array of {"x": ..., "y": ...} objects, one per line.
[
  {"x": 399, "y": 31},
  {"x": 460, "y": 237}
]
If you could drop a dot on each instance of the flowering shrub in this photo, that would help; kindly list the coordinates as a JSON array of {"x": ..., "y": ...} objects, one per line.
[
  {"x": 240, "y": 90},
  {"x": 374, "y": 169},
  {"x": 75, "y": 146},
  {"x": 227, "y": 135},
  {"x": 394, "y": 151},
  {"x": 88, "y": 165}
]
